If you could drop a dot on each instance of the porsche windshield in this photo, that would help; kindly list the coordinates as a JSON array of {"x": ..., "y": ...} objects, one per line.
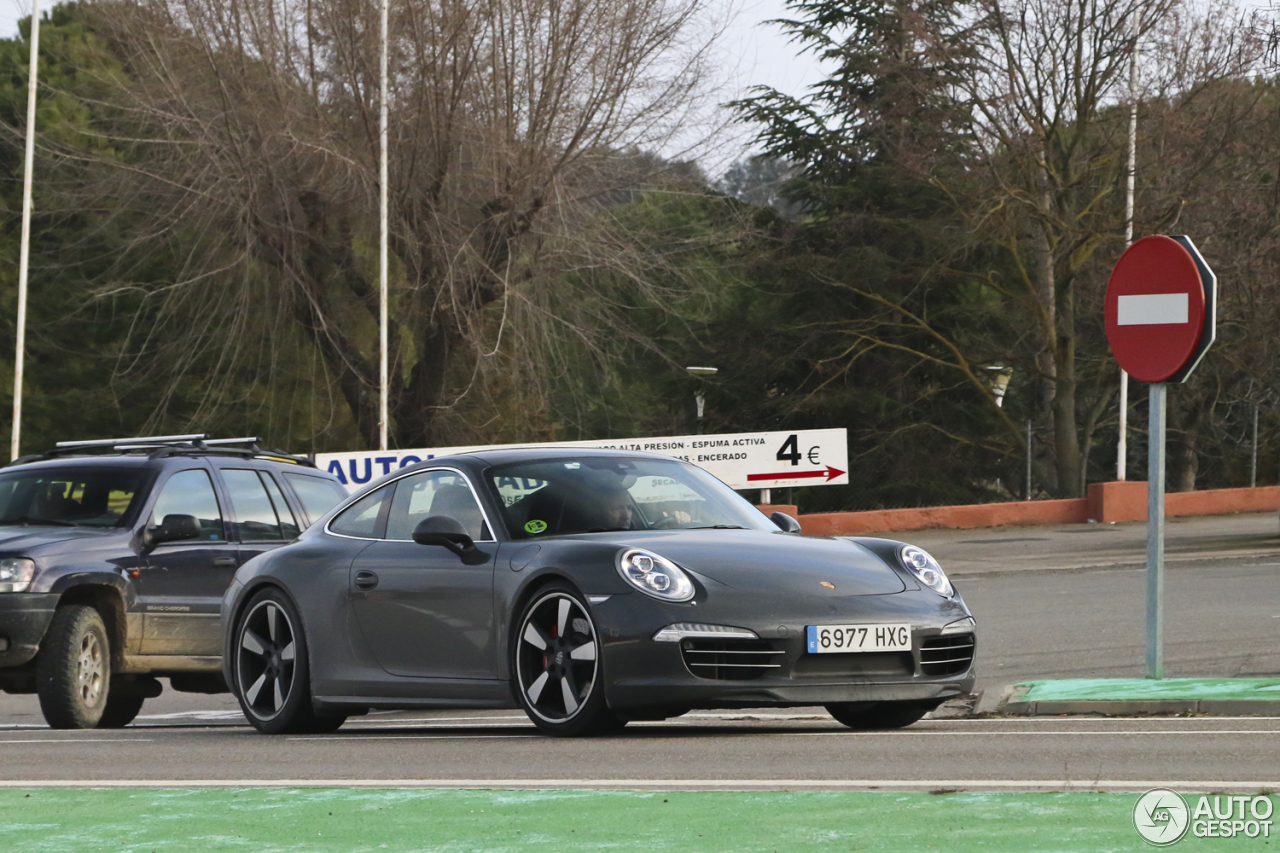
[
  {"x": 595, "y": 493},
  {"x": 71, "y": 497}
]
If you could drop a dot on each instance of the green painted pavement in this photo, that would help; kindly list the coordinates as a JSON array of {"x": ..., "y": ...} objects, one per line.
[
  {"x": 1126, "y": 689},
  {"x": 275, "y": 820}
]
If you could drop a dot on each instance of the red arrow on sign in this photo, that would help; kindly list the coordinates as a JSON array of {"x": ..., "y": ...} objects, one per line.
[{"x": 830, "y": 474}]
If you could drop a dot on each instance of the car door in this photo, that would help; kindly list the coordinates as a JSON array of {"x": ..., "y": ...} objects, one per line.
[
  {"x": 180, "y": 584},
  {"x": 263, "y": 518},
  {"x": 422, "y": 612}
]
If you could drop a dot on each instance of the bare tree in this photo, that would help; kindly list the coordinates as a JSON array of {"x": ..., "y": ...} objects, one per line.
[
  {"x": 1048, "y": 92},
  {"x": 254, "y": 132}
]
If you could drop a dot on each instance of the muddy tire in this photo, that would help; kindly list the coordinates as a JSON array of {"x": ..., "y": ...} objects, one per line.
[
  {"x": 73, "y": 669},
  {"x": 121, "y": 710}
]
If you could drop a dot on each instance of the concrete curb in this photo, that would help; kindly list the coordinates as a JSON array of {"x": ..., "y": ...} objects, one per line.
[{"x": 1011, "y": 704}]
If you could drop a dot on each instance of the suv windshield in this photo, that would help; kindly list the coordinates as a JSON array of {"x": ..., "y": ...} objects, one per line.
[
  {"x": 595, "y": 493},
  {"x": 71, "y": 497}
]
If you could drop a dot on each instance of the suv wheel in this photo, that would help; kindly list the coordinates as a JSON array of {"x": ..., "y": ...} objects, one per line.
[{"x": 73, "y": 669}]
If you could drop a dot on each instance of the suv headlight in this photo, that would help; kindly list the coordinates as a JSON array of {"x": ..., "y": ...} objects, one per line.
[
  {"x": 926, "y": 570},
  {"x": 16, "y": 574},
  {"x": 654, "y": 575}
]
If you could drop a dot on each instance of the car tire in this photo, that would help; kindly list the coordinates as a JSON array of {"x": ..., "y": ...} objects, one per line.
[
  {"x": 73, "y": 669},
  {"x": 270, "y": 668},
  {"x": 878, "y": 715},
  {"x": 557, "y": 674},
  {"x": 120, "y": 711}
]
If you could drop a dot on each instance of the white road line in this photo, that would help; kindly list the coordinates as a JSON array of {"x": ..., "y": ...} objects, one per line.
[
  {"x": 1092, "y": 719},
  {"x": 910, "y": 733},
  {"x": 322, "y": 738},
  {"x": 1083, "y": 785},
  {"x": 82, "y": 740}
]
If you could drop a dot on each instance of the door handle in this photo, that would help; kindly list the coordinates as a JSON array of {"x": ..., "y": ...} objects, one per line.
[
  {"x": 366, "y": 580},
  {"x": 224, "y": 561}
]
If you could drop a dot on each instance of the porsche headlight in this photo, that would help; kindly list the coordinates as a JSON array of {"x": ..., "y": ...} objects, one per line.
[
  {"x": 926, "y": 570},
  {"x": 654, "y": 575},
  {"x": 16, "y": 574}
]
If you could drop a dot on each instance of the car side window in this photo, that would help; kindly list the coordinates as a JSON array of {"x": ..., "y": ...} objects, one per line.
[
  {"x": 257, "y": 515},
  {"x": 191, "y": 493},
  {"x": 362, "y": 519},
  {"x": 431, "y": 493},
  {"x": 318, "y": 496}
]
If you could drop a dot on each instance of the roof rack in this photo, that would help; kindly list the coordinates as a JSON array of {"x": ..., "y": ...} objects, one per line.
[
  {"x": 160, "y": 446},
  {"x": 150, "y": 439}
]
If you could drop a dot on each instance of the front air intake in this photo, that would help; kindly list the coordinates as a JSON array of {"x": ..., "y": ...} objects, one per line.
[
  {"x": 950, "y": 655},
  {"x": 730, "y": 660}
]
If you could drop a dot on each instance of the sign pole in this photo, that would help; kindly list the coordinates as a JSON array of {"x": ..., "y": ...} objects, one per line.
[{"x": 1155, "y": 532}]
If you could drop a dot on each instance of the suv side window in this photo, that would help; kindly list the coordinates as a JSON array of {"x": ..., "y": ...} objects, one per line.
[
  {"x": 191, "y": 493},
  {"x": 318, "y": 496},
  {"x": 260, "y": 518},
  {"x": 420, "y": 496},
  {"x": 363, "y": 519},
  {"x": 288, "y": 522}
]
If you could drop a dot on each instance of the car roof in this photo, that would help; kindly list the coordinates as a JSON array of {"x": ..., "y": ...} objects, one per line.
[
  {"x": 148, "y": 461},
  {"x": 505, "y": 455}
]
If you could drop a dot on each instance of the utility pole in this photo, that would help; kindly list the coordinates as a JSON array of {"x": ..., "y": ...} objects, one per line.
[
  {"x": 1122, "y": 448},
  {"x": 382, "y": 237},
  {"x": 24, "y": 251}
]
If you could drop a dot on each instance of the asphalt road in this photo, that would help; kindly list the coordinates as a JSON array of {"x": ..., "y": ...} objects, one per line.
[
  {"x": 1050, "y": 603},
  {"x": 697, "y": 751}
]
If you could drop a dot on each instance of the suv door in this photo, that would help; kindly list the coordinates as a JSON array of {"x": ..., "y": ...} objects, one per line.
[
  {"x": 180, "y": 584},
  {"x": 263, "y": 518},
  {"x": 422, "y": 612}
]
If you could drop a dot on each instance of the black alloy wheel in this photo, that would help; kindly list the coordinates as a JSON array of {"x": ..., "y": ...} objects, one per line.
[
  {"x": 558, "y": 672},
  {"x": 271, "y": 675}
]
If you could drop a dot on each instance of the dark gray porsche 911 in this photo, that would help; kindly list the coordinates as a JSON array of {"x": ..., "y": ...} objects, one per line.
[{"x": 588, "y": 588}]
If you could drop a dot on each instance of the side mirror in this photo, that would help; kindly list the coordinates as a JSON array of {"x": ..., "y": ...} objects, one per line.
[
  {"x": 786, "y": 522},
  {"x": 174, "y": 528},
  {"x": 447, "y": 532}
]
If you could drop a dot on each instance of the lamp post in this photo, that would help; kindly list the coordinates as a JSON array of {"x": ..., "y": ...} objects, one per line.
[{"x": 698, "y": 398}]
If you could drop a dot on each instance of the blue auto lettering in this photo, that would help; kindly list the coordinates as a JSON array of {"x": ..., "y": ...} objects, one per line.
[{"x": 368, "y": 470}]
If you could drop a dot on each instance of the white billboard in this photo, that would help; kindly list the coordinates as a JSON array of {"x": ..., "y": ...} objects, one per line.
[{"x": 744, "y": 460}]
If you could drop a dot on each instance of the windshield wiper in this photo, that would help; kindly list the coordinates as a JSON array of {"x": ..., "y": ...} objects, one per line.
[
  {"x": 31, "y": 519},
  {"x": 718, "y": 527}
]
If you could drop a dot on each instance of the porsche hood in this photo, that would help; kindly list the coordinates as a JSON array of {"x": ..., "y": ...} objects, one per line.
[{"x": 763, "y": 562}]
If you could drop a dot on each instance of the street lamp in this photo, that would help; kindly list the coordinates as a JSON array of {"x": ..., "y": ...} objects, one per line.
[{"x": 698, "y": 398}]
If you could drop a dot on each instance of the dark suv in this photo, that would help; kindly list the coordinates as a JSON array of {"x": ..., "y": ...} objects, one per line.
[{"x": 114, "y": 556}]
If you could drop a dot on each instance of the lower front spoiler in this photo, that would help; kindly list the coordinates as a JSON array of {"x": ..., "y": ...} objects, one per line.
[
  {"x": 681, "y": 694},
  {"x": 24, "y": 617}
]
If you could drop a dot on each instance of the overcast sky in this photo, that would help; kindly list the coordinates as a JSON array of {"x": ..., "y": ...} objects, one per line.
[
  {"x": 751, "y": 51},
  {"x": 758, "y": 52}
]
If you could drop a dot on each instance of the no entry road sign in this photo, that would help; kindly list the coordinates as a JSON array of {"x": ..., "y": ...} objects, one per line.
[
  {"x": 1161, "y": 319},
  {"x": 1161, "y": 309}
]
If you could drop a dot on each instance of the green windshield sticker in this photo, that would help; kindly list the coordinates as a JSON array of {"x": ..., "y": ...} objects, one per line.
[{"x": 536, "y": 526}]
